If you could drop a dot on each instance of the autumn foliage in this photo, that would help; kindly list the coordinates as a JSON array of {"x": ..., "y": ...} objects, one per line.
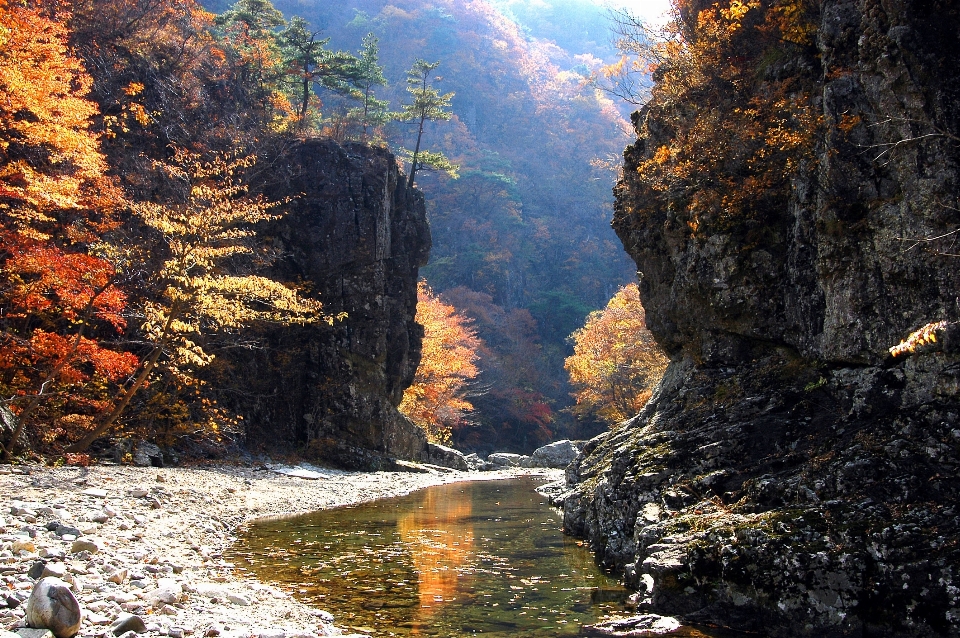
[
  {"x": 57, "y": 294},
  {"x": 732, "y": 127},
  {"x": 436, "y": 400},
  {"x": 616, "y": 363}
]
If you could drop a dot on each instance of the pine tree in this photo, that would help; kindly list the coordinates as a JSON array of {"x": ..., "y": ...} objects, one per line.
[
  {"x": 309, "y": 62},
  {"x": 374, "y": 112},
  {"x": 427, "y": 104}
]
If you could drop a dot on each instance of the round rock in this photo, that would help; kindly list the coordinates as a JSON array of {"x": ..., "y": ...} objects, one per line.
[
  {"x": 53, "y": 606},
  {"x": 127, "y": 622}
]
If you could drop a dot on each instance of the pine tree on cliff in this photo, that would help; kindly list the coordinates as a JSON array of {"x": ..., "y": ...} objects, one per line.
[
  {"x": 308, "y": 62},
  {"x": 374, "y": 112},
  {"x": 427, "y": 104}
]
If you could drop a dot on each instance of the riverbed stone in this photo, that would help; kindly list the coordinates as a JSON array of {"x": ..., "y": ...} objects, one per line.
[
  {"x": 445, "y": 456},
  {"x": 67, "y": 530},
  {"x": 506, "y": 459},
  {"x": 559, "y": 455},
  {"x": 85, "y": 545},
  {"x": 634, "y": 626},
  {"x": 147, "y": 455},
  {"x": 53, "y": 606},
  {"x": 28, "y": 632},
  {"x": 168, "y": 591},
  {"x": 23, "y": 545}
]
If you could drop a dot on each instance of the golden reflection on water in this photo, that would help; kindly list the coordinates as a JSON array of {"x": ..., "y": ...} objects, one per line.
[
  {"x": 484, "y": 558},
  {"x": 440, "y": 540}
]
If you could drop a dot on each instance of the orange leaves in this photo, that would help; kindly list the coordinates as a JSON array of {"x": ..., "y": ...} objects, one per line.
[
  {"x": 924, "y": 336},
  {"x": 435, "y": 399},
  {"x": 731, "y": 127},
  {"x": 616, "y": 362},
  {"x": 51, "y": 160},
  {"x": 55, "y": 201}
]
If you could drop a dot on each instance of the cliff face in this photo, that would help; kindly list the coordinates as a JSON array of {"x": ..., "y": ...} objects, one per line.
[
  {"x": 355, "y": 234},
  {"x": 789, "y": 476}
]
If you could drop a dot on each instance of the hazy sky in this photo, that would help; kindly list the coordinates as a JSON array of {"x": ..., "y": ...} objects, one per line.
[{"x": 652, "y": 10}]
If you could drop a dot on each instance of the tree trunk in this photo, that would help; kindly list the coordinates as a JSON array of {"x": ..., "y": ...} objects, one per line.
[
  {"x": 100, "y": 430},
  {"x": 416, "y": 151}
]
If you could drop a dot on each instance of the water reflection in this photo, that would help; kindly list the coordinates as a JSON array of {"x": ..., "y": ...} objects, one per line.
[
  {"x": 456, "y": 560},
  {"x": 439, "y": 537}
]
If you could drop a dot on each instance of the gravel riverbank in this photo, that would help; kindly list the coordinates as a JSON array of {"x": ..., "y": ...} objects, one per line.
[{"x": 149, "y": 542}]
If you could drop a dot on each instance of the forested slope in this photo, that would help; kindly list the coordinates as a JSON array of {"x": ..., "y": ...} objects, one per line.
[
  {"x": 148, "y": 157},
  {"x": 522, "y": 237}
]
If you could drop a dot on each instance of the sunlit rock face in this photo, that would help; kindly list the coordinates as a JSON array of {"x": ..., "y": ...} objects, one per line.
[
  {"x": 356, "y": 235},
  {"x": 789, "y": 476}
]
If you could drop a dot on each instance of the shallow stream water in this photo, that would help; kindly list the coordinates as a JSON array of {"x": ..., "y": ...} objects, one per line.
[{"x": 480, "y": 558}]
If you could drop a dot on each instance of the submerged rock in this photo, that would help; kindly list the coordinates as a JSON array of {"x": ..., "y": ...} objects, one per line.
[{"x": 633, "y": 627}]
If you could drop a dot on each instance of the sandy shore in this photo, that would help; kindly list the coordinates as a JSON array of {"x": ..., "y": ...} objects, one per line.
[{"x": 155, "y": 538}]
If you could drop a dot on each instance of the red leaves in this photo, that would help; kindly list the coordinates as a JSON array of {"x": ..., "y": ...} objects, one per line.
[
  {"x": 77, "y": 356},
  {"x": 55, "y": 202},
  {"x": 46, "y": 279}
]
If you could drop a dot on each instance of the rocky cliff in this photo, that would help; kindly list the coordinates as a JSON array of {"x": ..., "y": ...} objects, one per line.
[
  {"x": 356, "y": 235},
  {"x": 789, "y": 476}
]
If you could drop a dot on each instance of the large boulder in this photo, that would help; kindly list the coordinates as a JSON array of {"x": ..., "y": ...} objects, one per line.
[
  {"x": 506, "y": 459},
  {"x": 559, "y": 454},
  {"x": 53, "y": 606},
  {"x": 8, "y": 428},
  {"x": 445, "y": 456},
  {"x": 474, "y": 462}
]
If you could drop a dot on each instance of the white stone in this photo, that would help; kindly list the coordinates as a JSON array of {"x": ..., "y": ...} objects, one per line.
[
  {"x": 98, "y": 619},
  {"x": 168, "y": 591}
]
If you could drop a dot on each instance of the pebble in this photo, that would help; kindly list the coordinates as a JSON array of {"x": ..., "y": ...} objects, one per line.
[
  {"x": 128, "y": 622},
  {"x": 84, "y": 545},
  {"x": 141, "y": 554}
]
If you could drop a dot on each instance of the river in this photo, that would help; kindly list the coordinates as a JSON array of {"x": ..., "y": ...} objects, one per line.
[{"x": 477, "y": 558}]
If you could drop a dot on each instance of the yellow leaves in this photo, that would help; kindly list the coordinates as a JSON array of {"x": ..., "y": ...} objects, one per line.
[
  {"x": 924, "y": 336},
  {"x": 662, "y": 156},
  {"x": 615, "y": 362},
  {"x": 736, "y": 11},
  {"x": 434, "y": 400},
  {"x": 730, "y": 136},
  {"x": 214, "y": 224}
]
